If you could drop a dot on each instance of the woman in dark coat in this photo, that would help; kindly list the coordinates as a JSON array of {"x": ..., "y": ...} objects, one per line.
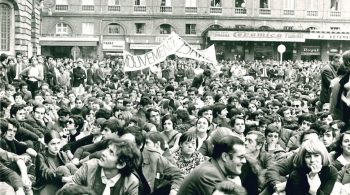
[
  {"x": 313, "y": 173},
  {"x": 52, "y": 167}
]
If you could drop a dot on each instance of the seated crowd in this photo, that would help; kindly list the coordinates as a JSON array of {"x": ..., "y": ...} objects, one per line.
[{"x": 186, "y": 128}]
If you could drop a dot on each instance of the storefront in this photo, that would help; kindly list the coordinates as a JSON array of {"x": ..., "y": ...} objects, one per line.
[
  {"x": 61, "y": 46},
  {"x": 309, "y": 53},
  {"x": 330, "y": 43},
  {"x": 113, "y": 49},
  {"x": 255, "y": 45}
]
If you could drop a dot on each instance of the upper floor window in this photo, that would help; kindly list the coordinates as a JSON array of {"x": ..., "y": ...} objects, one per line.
[
  {"x": 61, "y": 2},
  {"x": 87, "y": 2},
  {"x": 265, "y": 4},
  {"x": 113, "y": 2},
  {"x": 335, "y": 5},
  {"x": 190, "y": 29},
  {"x": 5, "y": 24},
  {"x": 288, "y": 28},
  {"x": 165, "y": 29},
  {"x": 88, "y": 28},
  {"x": 61, "y": 29},
  {"x": 264, "y": 28},
  {"x": 215, "y": 26},
  {"x": 140, "y": 28},
  {"x": 289, "y": 4},
  {"x": 215, "y": 3},
  {"x": 313, "y": 4},
  {"x": 191, "y": 3},
  {"x": 114, "y": 29},
  {"x": 240, "y": 4},
  {"x": 140, "y": 2},
  {"x": 166, "y": 3}
]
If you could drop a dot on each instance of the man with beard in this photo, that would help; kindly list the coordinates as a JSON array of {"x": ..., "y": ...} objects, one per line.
[{"x": 227, "y": 161}]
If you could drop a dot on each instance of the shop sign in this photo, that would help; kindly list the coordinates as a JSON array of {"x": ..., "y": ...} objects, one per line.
[
  {"x": 262, "y": 48},
  {"x": 257, "y": 36},
  {"x": 113, "y": 45},
  {"x": 329, "y": 36},
  {"x": 310, "y": 50},
  {"x": 160, "y": 39}
]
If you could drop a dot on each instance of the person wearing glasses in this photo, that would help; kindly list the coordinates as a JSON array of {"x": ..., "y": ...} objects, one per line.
[
  {"x": 34, "y": 73},
  {"x": 73, "y": 127},
  {"x": 36, "y": 119},
  {"x": 228, "y": 158},
  {"x": 95, "y": 136}
]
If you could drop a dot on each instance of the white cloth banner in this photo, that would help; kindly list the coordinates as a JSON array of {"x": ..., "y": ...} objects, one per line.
[{"x": 173, "y": 44}]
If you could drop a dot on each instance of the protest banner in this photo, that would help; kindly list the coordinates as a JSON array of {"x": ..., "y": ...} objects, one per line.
[{"x": 173, "y": 44}]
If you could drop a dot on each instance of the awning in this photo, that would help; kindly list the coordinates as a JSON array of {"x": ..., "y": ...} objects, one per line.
[
  {"x": 151, "y": 46},
  {"x": 143, "y": 46},
  {"x": 68, "y": 43}
]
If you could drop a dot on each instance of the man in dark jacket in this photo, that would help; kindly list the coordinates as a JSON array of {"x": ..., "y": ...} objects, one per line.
[
  {"x": 79, "y": 76},
  {"x": 328, "y": 73},
  {"x": 228, "y": 159},
  {"x": 201, "y": 81}
]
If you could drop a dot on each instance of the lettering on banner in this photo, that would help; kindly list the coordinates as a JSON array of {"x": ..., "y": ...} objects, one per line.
[{"x": 172, "y": 45}]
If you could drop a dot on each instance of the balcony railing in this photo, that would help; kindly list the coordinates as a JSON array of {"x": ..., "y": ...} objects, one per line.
[
  {"x": 335, "y": 14},
  {"x": 140, "y": 31},
  {"x": 191, "y": 32},
  {"x": 289, "y": 12},
  {"x": 240, "y": 11},
  {"x": 114, "y": 8},
  {"x": 61, "y": 8},
  {"x": 69, "y": 35},
  {"x": 140, "y": 8},
  {"x": 312, "y": 13},
  {"x": 166, "y": 9},
  {"x": 216, "y": 10},
  {"x": 190, "y": 10},
  {"x": 264, "y": 11},
  {"x": 88, "y": 8}
]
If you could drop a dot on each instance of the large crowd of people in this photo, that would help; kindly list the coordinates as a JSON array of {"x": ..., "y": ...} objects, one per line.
[{"x": 180, "y": 127}]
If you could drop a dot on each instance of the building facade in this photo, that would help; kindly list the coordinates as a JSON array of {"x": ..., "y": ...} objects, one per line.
[
  {"x": 20, "y": 27},
  {"x": 240, "y": 29}
]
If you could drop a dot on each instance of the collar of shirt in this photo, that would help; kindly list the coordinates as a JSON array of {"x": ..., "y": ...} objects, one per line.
[{"x": 109, "y": 182}]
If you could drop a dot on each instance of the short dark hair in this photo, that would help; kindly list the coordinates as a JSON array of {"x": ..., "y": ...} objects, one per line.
[
  {"x": 135, "y": 131},
  {"x": 155, "y": 137},
  {"x": 15, "y": 108},
  {"x": 148, "y": 113},
  {"x": 218, "y": 108},
  {"x": 113, "y": 124},
  {"x": 233, "y": 120},
  {"x": 204, "y": 109},
  {"x": 127, "y": 154},
  {"x": 310, "y": 131},
  {"x": 226, "y": 145},
  {"x": 230, "y": 188}
]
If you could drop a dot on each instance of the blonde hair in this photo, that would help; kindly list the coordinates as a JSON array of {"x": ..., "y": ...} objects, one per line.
[{"x": 315, "y": 147}]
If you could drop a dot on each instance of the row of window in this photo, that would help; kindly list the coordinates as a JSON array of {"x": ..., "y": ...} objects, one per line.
[
  {"x": 288, "y": 4},
  {"x": 115, "y": 29}
]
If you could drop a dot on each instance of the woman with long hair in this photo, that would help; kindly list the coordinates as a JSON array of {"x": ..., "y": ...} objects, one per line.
[{"x": 171, "y": 136}]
